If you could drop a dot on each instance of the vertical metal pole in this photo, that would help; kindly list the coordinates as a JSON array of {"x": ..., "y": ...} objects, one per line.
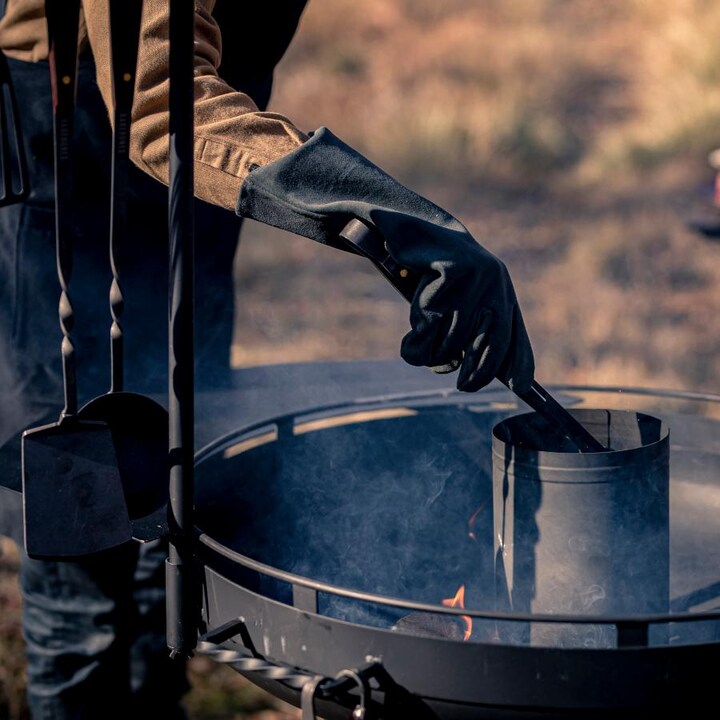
[
  {"x": 63, "y": 58},
  {"x": 182, "y": 608}
]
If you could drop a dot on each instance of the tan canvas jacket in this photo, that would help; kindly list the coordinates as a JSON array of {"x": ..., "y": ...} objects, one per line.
[{"x": 231, "y": 133}]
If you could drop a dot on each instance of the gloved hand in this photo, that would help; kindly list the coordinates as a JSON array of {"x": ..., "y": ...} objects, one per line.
[{"x": 465, "y": 312}]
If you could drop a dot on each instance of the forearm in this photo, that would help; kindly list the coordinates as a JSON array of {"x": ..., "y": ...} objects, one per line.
[{"x": 231, "y": 134}]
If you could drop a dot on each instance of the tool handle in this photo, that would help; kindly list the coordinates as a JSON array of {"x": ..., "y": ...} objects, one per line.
[
  {"x": 365, "y": 241},
  {"x": 63, "y": 17},
  {"x": 544, "y": 404},
  {"x": 125, "y": 17},
  {"x": 13, "y": 160}
]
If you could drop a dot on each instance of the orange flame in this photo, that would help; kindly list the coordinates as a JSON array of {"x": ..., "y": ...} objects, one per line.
[
  {"x": 459, "y": 601},
  {"x": 471, "y": 522}
]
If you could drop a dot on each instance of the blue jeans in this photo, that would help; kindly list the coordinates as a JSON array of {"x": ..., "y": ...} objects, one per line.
[{"x": 95, "y": 641}]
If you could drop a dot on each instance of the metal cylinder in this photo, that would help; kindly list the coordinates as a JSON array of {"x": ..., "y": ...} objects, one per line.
[{"x": 580, "y": 533}]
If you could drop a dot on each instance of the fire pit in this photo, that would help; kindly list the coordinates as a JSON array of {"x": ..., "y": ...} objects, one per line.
[{"x": 354, "y": 543}]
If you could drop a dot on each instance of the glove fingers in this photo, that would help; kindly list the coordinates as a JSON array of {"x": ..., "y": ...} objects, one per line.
[
  {"x": 500, "y": 351},
  {"x": 481, "y": 360},
  {"x": 447, "y": 355},
  {"x": 518, "y": 368},
  {"x": 429, "y": 343},
  {"x": 452, "y": 366}
]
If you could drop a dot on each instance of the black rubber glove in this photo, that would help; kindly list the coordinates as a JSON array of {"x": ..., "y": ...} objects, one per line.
[{"x": 465, "y": 308}]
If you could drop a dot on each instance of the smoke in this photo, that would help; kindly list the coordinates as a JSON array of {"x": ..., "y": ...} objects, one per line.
[{"x": 383, "y": 507}]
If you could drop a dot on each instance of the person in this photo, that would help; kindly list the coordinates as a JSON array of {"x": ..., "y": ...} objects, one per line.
[
  {"x": 92, "y": 625},
  {"x": 96, "y": 626}
]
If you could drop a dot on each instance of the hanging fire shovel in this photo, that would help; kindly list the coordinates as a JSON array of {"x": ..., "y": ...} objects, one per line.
[
  {"x": 97, "y": 477},
  {"x": 73, "y": 502}
]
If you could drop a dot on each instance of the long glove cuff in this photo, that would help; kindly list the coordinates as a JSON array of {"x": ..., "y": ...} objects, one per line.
[{"x": 317, "y": 189}]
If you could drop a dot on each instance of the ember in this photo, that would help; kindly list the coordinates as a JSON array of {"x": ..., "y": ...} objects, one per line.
[{"x": 472, "y": 520}]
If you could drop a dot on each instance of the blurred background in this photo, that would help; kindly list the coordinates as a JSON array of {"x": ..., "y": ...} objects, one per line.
[{"x": 572, "y": 139}]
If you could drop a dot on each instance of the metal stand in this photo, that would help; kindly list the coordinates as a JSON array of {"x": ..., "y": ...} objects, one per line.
[{"x": 182, "y": 605}]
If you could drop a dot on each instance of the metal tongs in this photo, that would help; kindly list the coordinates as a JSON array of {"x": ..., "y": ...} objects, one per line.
[{"x": 365, "y": 241}]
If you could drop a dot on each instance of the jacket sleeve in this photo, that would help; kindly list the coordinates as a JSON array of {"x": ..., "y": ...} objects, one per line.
[{"x": 231, "y": 133}]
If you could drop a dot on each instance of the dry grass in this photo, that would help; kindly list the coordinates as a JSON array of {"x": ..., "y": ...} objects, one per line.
[
  {"x": 12, "y": 677},
  {"x": 570, "y": 136},
  {"x": 218, "y": 692}
]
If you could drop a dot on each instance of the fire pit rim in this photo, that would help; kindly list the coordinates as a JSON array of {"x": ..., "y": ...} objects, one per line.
[
  {"x": 319, "y": 586},
  {"x": 415, "y": 398}
]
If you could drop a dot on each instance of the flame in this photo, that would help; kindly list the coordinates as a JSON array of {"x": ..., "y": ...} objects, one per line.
[{"x": 459, "y": 601}]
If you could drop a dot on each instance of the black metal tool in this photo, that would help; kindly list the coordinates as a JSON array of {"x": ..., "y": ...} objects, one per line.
[
  {"x": 73, "y": 501},
  {"x": 139, "y": 425},
  {"x": 14, "y": 182},
  {"x": 181, "y": 579},
  {"x": 367, "y": 242}
]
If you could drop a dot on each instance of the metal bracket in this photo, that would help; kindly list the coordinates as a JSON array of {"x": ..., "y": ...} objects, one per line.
[
  {"x": 366, "y": 241},
  {"x": 338, "y": 689}
]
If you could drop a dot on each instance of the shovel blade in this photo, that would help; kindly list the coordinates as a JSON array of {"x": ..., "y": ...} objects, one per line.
[{"x": 73, "y": 502}]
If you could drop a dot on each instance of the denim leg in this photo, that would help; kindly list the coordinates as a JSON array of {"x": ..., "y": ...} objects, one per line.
[
  {"x": 95, "y": 637},
  {"x": 77, "y": 619}
]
